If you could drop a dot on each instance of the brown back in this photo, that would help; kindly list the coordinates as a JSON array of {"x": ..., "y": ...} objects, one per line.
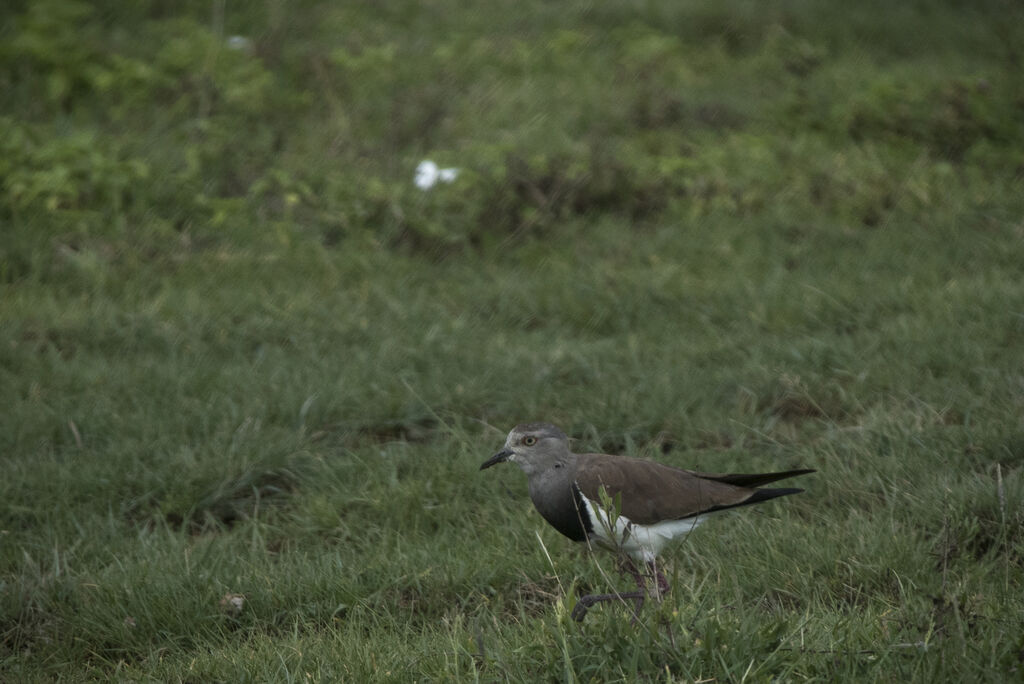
[{"x": 653, "y": 492}]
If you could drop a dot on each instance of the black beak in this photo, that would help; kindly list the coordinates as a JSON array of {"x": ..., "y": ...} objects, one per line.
[{"x": 497, "y": 458}]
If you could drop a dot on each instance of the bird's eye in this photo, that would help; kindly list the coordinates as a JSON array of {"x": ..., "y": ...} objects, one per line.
[{"x": 529, "y": 440}]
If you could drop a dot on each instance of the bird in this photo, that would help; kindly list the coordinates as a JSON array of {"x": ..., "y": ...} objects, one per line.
[{"x": 633, "y": 506}]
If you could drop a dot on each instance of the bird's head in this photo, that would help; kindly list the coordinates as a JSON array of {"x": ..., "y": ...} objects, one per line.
[{"x": 533, "y": 447}]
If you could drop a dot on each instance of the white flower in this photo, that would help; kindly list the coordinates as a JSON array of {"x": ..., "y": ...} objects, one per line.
[
  {"x": 232, "y": 604},
  {"x": 428, "y": 174},
  {"x": 240, "y": 43}
]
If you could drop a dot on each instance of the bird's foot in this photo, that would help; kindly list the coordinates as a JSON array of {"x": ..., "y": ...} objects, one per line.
[
  {"x": 587, "y": 602},
  {"x": 626, "y": 566}
]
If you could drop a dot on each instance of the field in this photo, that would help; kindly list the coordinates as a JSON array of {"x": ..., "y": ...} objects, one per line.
[{"x": 249, "y": 370}]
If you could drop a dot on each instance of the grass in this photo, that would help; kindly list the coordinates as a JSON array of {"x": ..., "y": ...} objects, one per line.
[{"x": 242, "y": 356}]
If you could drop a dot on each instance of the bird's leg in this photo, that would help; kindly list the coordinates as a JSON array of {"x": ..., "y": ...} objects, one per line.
[
  {"x": 659, "y": 580},
  {"x": 626, "y": 566}
]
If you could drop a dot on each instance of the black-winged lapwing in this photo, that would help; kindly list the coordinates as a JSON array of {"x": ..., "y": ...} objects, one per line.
[{"x": 644, "y": 506}]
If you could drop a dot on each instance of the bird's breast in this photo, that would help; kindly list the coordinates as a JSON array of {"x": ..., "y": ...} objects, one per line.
[{"x": 564, "y": 507}]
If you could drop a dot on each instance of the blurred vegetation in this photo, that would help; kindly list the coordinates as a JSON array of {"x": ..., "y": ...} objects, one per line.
[
  {"x": 282, "y": 123},
  {"x": 240, "y": 351}
]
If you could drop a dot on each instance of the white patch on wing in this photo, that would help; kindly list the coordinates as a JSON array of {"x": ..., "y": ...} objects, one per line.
[{"x": 641, "y": 542}]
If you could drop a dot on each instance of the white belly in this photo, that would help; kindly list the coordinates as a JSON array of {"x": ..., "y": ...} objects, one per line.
[{"x": 641, "y": 542}]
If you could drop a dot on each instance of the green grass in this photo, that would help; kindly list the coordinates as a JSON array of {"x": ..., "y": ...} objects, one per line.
[{"x": 241, "y": 354}]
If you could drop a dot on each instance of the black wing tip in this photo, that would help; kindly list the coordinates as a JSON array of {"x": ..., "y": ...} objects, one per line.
[
  {"x": 758, "y": 479},
  {"x": 769, "y": 494},
  {"x": 775, "y": 492},
  {"x": 759, "y": 496},
  {"x": 793, "y": 473}
]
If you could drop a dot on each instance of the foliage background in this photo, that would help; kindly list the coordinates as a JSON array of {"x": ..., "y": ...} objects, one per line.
[{"x": 242, "y": 354}]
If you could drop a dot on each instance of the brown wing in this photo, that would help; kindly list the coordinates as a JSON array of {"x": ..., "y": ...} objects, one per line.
[{"x": 652, "y": 492}]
